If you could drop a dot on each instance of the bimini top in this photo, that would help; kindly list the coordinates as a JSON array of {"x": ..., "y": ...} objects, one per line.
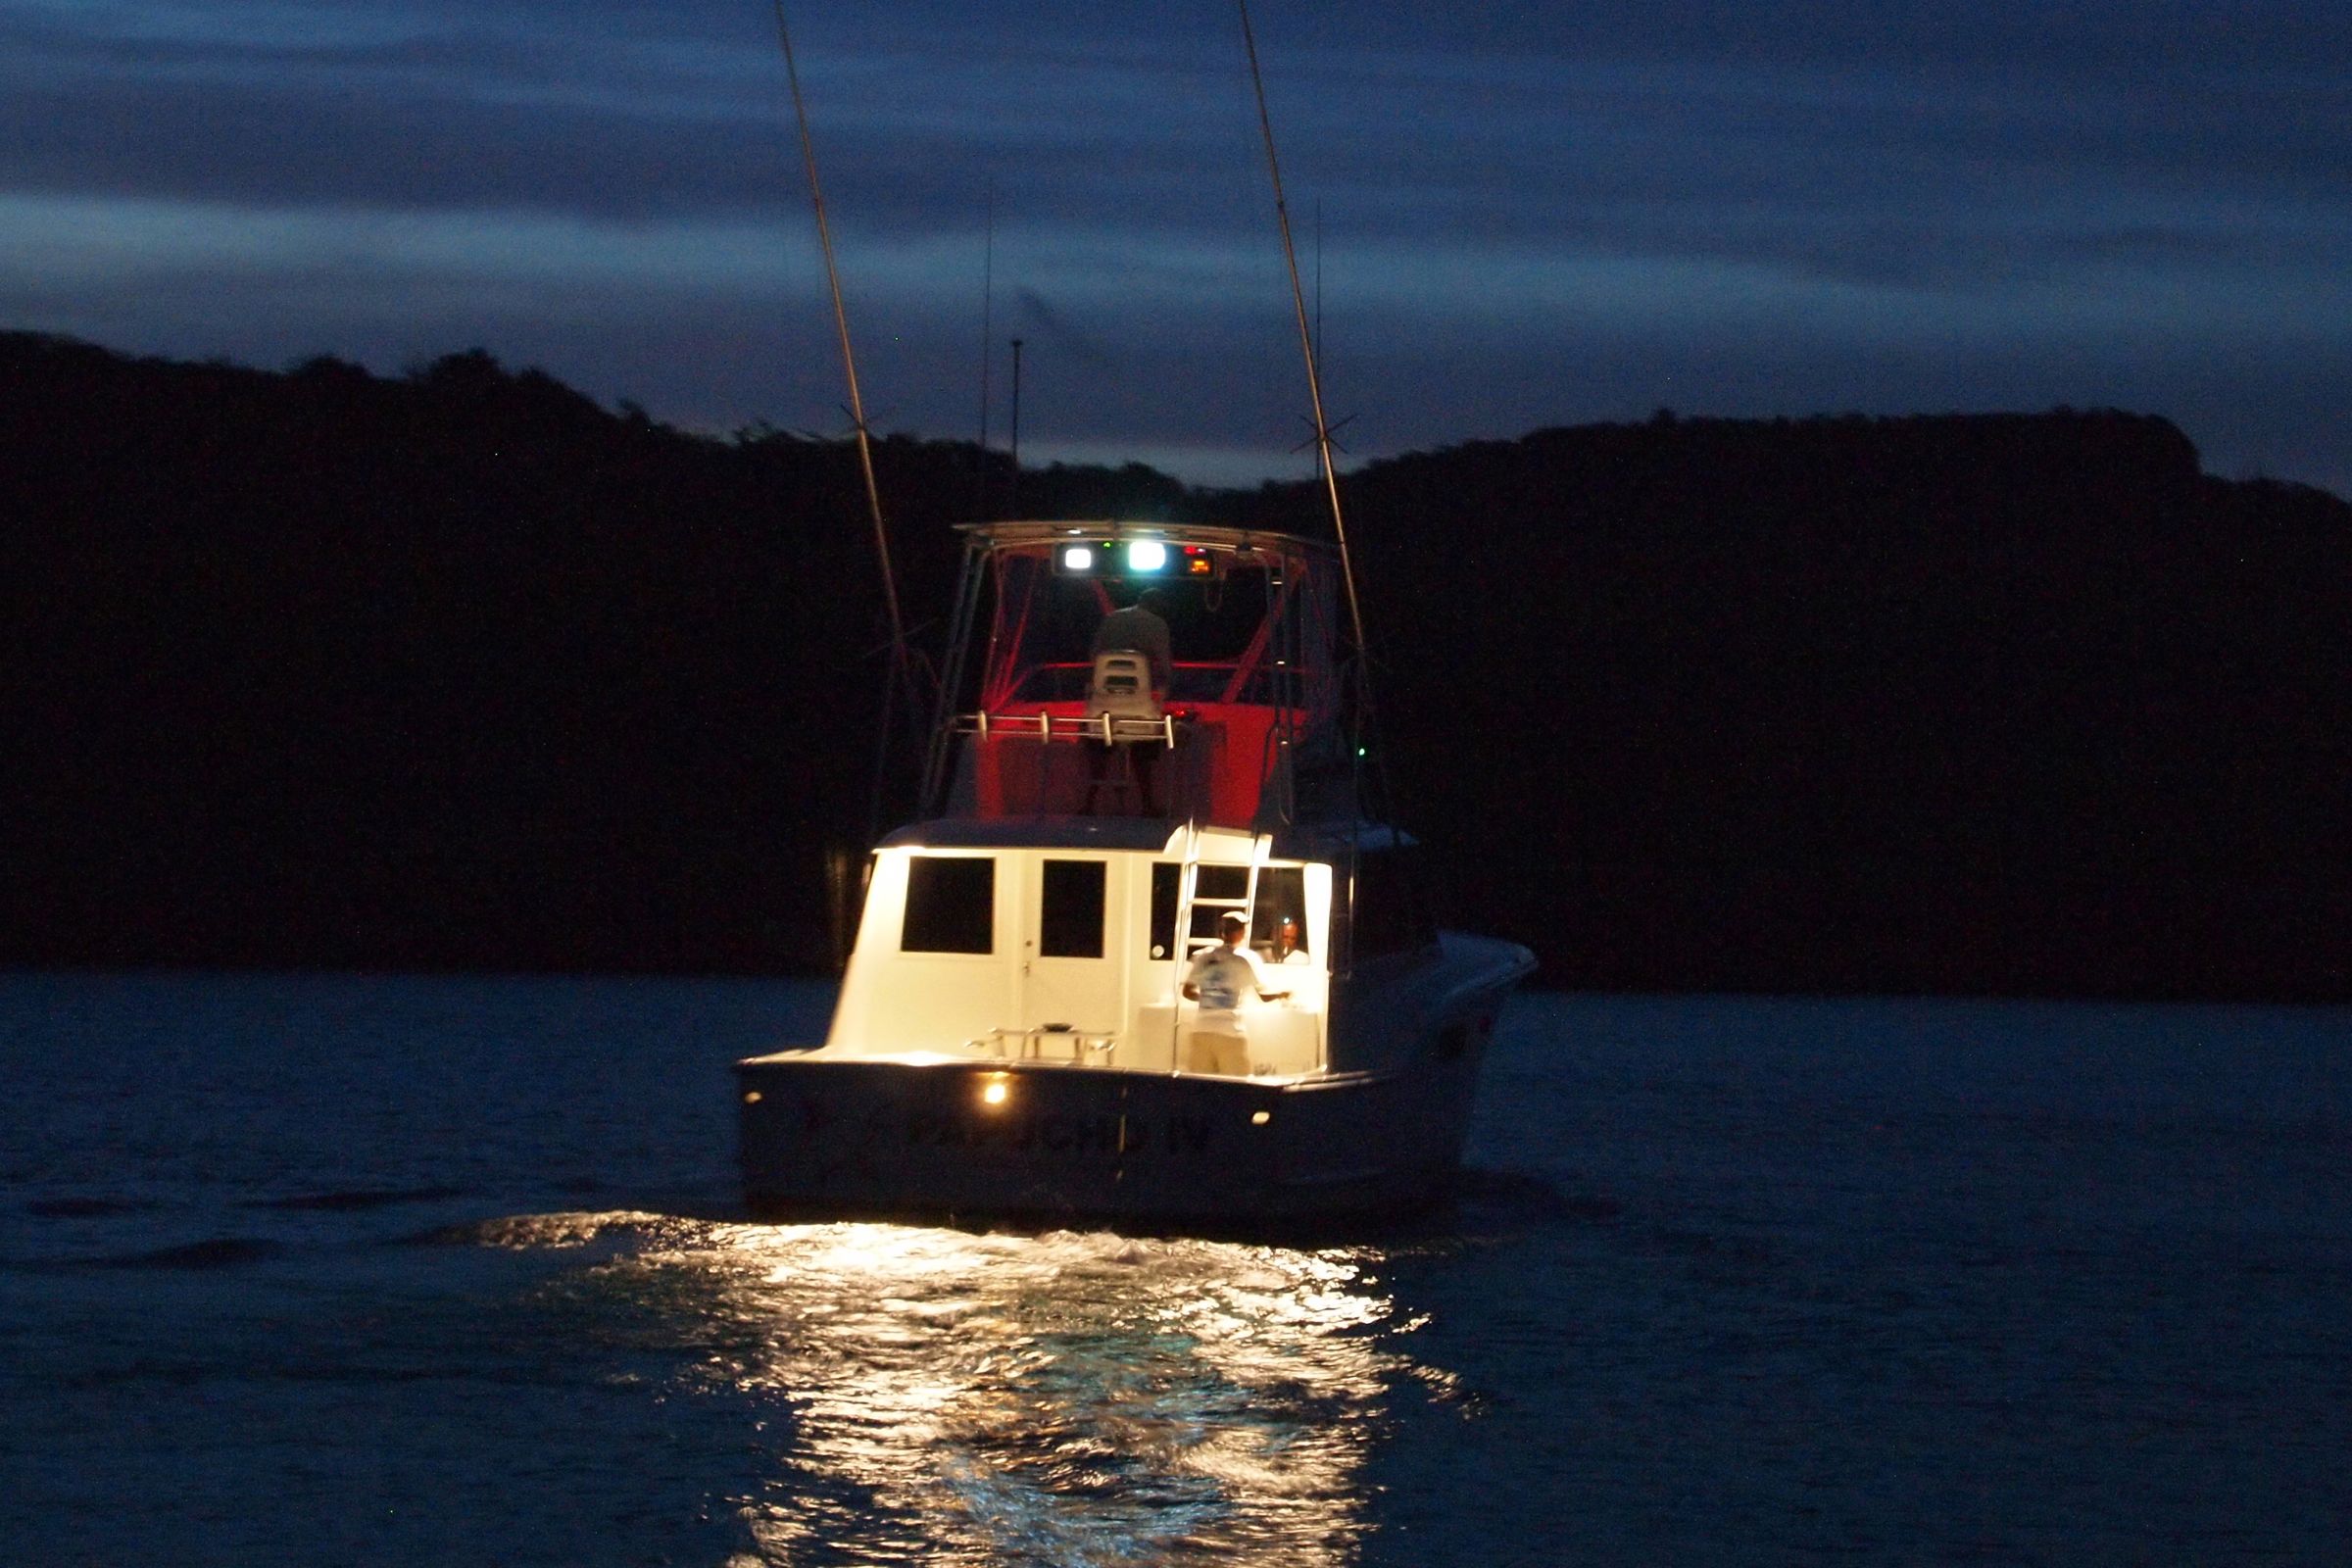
[
  {"x": 1205, "y": 538},
  {"x": 1175, "y": 671}
]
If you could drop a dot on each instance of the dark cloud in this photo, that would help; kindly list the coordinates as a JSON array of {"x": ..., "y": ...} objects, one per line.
[{"x": 1528, "y": 211}]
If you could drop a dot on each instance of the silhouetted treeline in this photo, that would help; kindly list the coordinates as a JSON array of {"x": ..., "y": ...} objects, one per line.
[
  {"x": 457, "y": 668},
  {"x": 460, "y": 668},
  {"x": 1938, "y": 704}
]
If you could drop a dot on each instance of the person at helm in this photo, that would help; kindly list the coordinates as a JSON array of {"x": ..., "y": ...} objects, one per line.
[{"x": 1221, "y": 979}]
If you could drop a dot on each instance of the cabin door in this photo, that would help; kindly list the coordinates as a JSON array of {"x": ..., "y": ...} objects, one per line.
[{"x": 1072, "y": 931}]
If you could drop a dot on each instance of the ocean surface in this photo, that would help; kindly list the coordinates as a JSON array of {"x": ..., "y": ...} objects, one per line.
[{"x": 358, "y": 1271}]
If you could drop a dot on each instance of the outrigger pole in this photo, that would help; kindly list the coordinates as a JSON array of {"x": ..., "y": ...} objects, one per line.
[
  {"x": 899, "y": 673},
  {"x": 1367, "y": 720},
  {"x": 1306, "y": 338}
]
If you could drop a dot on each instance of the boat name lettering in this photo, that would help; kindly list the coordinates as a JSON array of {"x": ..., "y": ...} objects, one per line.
[{"x": 1060, "y": 1133}]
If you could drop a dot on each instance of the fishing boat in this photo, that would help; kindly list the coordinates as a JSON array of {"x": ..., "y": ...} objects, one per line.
[
  {"x": 1011, "y": 1036},
  {"x": 1040, "y": 1019}
]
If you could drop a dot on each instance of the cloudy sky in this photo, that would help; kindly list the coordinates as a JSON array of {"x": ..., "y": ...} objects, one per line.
[{"x": 1522, "y": 214}]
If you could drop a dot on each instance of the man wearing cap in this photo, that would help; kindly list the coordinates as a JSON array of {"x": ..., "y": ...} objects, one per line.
[{"x": 1219, "y": 980}]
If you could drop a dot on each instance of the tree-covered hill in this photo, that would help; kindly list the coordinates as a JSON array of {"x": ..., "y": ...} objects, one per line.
[{"x": 458, "y": 668}]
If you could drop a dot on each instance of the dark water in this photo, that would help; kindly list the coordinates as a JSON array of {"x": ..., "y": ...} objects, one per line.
[{"x": 337, "y": 1270}]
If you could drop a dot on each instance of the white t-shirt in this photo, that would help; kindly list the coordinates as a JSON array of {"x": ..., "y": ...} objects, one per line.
[{"x": 1223, "y": 976}]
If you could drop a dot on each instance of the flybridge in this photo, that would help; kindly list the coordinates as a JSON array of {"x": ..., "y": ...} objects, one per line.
[{"x": 1248, "y": 731}]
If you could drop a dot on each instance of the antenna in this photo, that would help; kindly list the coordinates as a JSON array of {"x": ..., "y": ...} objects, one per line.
[
  {"x": 1015, "y": 499},
  {"x": 987, "y": 300}
]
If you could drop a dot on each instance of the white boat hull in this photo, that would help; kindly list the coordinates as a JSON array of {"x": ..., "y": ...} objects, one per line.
[{"x": 1056, "y": 1143}]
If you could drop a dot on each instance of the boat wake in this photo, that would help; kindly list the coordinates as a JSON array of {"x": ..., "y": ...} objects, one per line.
[{"x": 950, "y": 1396}]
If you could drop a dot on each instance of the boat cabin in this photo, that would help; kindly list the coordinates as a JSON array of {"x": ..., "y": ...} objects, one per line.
[{"x": 984, "y": 943}]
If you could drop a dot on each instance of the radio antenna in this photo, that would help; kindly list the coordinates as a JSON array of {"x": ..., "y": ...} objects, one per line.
[{"x": 988, "y": 301}]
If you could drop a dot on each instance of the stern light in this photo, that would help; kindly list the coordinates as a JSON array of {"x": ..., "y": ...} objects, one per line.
[
  {"x": 994, "y": 1088},
  {"x": 1146, "y": 554}
]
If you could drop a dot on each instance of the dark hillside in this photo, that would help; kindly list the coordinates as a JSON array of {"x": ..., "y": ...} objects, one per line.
[
  {"x": 456, "y": 669},
  {"x": 2006, "y": 703},
  {"x": 462, "y": 670}
]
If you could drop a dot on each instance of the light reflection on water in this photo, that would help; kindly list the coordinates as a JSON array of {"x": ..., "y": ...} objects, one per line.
[{"x": 943, "y": 1396}]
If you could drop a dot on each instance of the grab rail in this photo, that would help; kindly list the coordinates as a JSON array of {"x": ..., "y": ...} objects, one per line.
[{"x": 1103, "y": 727}]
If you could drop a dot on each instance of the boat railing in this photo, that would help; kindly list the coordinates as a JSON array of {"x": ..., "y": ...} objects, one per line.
[
  {"x": 1047, "y": 1042},
  {"x": 1103, "y": 728},
  {"x": 1234, "y": 764}
]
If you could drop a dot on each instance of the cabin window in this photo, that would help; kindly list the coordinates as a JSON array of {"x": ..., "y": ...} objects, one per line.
[
  {"x": 1070, "y": 923},
  {"x": 1167, "y": 880},
  {"x": 1281, "y": 896},
  {"x": 950, "y": 904},
  {"x": 1216, "y": 891}
]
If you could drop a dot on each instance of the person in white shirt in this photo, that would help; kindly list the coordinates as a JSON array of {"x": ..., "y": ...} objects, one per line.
[{"x": 1219, "y": 980}]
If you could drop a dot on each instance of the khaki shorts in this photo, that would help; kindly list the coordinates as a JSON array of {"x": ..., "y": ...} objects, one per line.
[{"x": 1219, "y": 1054}]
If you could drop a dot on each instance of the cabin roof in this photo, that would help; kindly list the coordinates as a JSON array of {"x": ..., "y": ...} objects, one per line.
[
  {"x": 1036, "y": 833},
  {"x": 1151, "y": 834},
  {"x": 1017, "y": 535}
]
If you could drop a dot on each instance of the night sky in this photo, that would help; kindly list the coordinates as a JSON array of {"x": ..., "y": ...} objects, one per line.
[{"x": 1524, "y": 213}]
